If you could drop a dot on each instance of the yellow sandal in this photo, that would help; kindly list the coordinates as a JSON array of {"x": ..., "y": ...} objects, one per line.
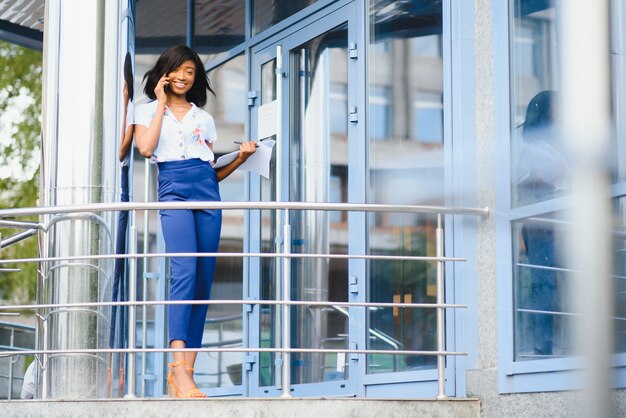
[{"x": 174, "y": 392}]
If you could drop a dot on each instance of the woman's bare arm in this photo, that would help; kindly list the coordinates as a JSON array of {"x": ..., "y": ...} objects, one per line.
[{"x": 246, "y": 149}]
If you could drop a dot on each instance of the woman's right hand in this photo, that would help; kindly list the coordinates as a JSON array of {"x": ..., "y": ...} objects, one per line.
[{"x": 159, "y": 90}]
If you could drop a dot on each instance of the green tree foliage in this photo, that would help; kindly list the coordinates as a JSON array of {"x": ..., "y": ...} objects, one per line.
[{"x": 20, "y": 82}]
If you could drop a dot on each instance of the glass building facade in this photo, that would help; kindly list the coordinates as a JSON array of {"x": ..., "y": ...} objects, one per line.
[
  {"x": 423, "y": 102},
  {"x": 363, "y": 121}
]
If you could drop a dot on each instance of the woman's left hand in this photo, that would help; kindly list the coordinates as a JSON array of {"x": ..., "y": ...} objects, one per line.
[{"x": 246, "y": 149}]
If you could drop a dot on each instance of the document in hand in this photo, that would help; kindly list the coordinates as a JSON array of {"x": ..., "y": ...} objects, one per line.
[{"x": 259, "y": 162}]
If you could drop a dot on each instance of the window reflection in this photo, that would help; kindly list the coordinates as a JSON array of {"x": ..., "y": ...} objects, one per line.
[
  {"x": 160, "y": 25},
  {"x": 543, "y": 321},
  {"x": 319, "y": 173},
  {"x": 339, "y": 100},
  {"x": 542, "y": 170},
  {"x": 619, "y": 274},
  {"x": 268, "y": 13},
  {"x": 536, "y": 144},
  {"x": 224, "y": 322},
  {"x": 380, "y": 112},
  {"x": 218, "y": 27},
  {"x": 428, "y": 118},
  {"x": 539, "y": 173},
  {"x": 406, "y": 133}
]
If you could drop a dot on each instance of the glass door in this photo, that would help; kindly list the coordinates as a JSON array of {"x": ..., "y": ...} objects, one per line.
[{"x": 302, "y": 89}]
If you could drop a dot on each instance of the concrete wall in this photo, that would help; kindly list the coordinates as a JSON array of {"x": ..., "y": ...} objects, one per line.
[{"x": 244, "y": 408}]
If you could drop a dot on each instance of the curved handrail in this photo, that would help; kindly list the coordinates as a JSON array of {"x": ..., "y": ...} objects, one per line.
[{"x": 92, "y": 210}]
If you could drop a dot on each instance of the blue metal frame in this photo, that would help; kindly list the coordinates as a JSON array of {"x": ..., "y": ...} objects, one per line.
[
  {"x": 191, "y": 23},
  {"x": 459, "y": 70},
  {"x": 265, "y": 51},
  {"x": 252, "y": 280},
  {"x": 358, "y": 174},
  {"x": 459, "y": 102},
  {"x": 457, "y": 15}
]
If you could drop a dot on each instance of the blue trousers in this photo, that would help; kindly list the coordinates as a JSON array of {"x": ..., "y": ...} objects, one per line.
[
  {"x": 119, "y": 290},
  {"x": 189, "y": 231},
  {"x": 541, "y": 248}
]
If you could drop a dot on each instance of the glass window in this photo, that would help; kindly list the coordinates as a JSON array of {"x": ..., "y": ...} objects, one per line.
[
  {"x": 319, "y": 173},
  {"x": 228, "y": 105},
  {"x": 267, "y": 13},
  {"x": 380, "y": 112},
  {"x": 543, "y": 326},
  {"x": 428, "y": 118},
  {"x": 406, "y": 166},
  {"x": 539, "y": 173},
  {"x": 224, "y": 322},
  {"x": 539, "y": 164},
  {"x": 219, "y": 26},
  {"x": 426, "y": 46},
  {"x": 160, "y": 25},
  {"x": 339, "y": 100},
  {"x": 619, "y": 274}
]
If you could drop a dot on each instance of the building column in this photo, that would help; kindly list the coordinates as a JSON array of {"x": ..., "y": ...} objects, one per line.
[{"x": 82, "y": 86}]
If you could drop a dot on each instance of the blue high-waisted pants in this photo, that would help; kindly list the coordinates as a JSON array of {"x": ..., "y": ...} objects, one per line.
[
  {"x": 119, "y": 279},
  {"x": 189, "y": 231}
]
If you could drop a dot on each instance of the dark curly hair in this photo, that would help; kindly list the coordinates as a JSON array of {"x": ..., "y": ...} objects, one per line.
[
  {"x": 170, "y": 60},
  {"x": 128, "y": 76},
  {"x": 540, "y": 113}
]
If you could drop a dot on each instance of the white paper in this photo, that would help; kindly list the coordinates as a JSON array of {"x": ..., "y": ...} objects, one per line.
[
  {"x": 267, "y": 120},
  {"x": 259, "y": 162},
  {"x": 341, "y": 362}
]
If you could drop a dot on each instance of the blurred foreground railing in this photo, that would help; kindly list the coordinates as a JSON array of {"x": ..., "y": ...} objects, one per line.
[{"x": 285, "y": 255}]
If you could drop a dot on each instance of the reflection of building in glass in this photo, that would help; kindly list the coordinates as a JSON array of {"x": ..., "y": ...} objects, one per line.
[
  {"x": 540, "y": 173},
  {"x": 406, "y": 166}
]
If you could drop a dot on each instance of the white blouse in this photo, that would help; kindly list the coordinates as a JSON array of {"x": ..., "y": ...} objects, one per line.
[{"x": 180, "y": 140}]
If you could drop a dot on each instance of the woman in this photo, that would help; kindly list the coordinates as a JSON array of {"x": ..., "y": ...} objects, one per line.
[
  {"x": 543, "y": 173},
  {"x": 178, "y": 136},
  {"x": 119, "y": 291}
]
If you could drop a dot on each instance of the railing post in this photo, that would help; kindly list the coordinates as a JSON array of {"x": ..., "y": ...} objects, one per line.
[
  {"x": 144, "y": 331},
  {"x": 132, "y": 309},
  {"x": 11, "y": 343},
  {"x": 220, "y": 338},
  {"x": 441, "y": 331},
  {"x": 286, "y": 308},
  {"x": 144, "y": 318},
  {"x": 44, "y": 358}
]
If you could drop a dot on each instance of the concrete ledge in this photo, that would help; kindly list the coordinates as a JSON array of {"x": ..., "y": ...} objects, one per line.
[{"x": 244, "y": 408}]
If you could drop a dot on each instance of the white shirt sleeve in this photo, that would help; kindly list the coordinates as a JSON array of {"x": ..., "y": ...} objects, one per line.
[
  {"x": 130, "y": 114},
  {"x": 209, "y": 132},
  {"x": 144, "y": 113}
]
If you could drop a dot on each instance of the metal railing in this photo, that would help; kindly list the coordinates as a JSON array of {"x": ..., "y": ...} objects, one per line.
[{"x": 286, "y": 350}]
